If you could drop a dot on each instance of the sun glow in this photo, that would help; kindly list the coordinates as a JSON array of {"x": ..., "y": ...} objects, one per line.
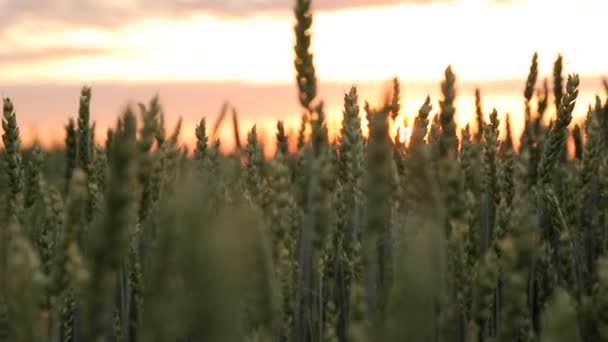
[{"x": 482, "y": 39}]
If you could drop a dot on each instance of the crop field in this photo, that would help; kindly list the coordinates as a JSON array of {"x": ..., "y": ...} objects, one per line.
[{"x": 455, "y": 235}]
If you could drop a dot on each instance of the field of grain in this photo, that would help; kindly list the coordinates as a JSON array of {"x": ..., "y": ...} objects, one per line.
[{"x": 452, "y": 235}]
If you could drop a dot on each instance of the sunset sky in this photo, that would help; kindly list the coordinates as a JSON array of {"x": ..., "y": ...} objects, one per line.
[{"x": 197, "y": 54}]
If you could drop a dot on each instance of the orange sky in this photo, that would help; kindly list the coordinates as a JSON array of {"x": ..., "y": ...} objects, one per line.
[{"x": 112, "y": 42}]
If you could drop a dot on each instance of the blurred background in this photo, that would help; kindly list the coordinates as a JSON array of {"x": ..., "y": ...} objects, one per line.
[{"x": 198, "y": 54}]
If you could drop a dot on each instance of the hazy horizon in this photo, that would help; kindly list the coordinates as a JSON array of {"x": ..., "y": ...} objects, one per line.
[{"x": 44, "y": 108}]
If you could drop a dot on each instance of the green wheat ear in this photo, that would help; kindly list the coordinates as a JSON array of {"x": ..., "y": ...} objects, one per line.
[
  {"x": 302, "y": 131},
  {"x": 304, "y": 65},
  {"x": 282, "y": 139},
  {"x": 320, "y": 137},
  {"x": 421, "y": 124},
  {"x": 557, "y": 136},
  {"x": 71, "y": 146},
  {"x": 479, "y": 116},
  {"x": 202, "y": 141},
  {"x": 532, "y": 77},
  {"x": 577, "y": 136},
  {"x": 256, "y": 169},
  {"x": 449, "y": 141},
  {"x": 174, "y": 137},
  {"x": 149, "y": 117},
  {"x": 34, "y": 177},
  {"x": 558, "y": 87},
  {"x": 543, "y": 99},
  {"x": 396, "y": 99},
  {"x": 507, "y": 144},
  {"x": 84, "y": 130},
  {"x": 528, "y": 137},
  {"x": 12, "y": 158},
  {"x": 350, "y": 147}
]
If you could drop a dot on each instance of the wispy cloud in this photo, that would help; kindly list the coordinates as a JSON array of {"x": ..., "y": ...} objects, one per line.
[
  {"x": 108, "y": 13},
  {"x": 179, "y": 40},
  {"x": 49, "y": 53},
  {"x": 245, "y": 7},
  {"x": 27, "y": 26}
]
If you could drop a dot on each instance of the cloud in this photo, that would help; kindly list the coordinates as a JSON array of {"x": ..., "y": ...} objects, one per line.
[
  {"x": 74, "y": 12},
  {"x": 48, "y": 53},
  {"x": 108, "y": 13},
  {"x": 245, "y": 7},
  {"x": 36, "y": 15}
]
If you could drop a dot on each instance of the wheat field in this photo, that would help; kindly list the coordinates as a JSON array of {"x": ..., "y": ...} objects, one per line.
[{"x": 454, "y": 235}]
